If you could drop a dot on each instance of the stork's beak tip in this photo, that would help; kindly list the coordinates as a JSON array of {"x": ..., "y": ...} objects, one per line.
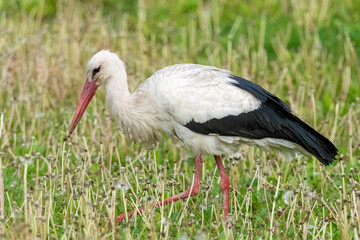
[
  {"x": 69, "y": 133},
  {"x": 85, "y": 97}
]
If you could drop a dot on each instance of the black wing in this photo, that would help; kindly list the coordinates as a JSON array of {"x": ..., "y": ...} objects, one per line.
[{"x": 273, "y": 119}]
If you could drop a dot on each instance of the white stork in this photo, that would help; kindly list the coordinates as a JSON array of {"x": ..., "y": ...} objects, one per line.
[{"x": 209, "y": 109}]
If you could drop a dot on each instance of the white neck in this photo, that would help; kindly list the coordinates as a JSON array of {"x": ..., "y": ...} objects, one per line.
[{"x": 133, "y": 112}]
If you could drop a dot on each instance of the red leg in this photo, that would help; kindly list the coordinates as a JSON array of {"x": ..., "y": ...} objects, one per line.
[
  {"x": 193, "y": 190},
  {"x": 224, "y": 183}
]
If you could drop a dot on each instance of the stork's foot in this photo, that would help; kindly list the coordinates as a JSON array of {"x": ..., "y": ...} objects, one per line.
[
  {"x": 193, "y": 190},
  {"x": 129, "y": 215},
  {"x": 121, "y": 218}
]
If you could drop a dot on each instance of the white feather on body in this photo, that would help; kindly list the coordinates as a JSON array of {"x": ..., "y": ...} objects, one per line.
[{"x": 195, "y": 92}]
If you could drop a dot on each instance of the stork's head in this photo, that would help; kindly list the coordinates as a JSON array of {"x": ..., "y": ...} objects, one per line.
[{"x": 99, "y": 70}]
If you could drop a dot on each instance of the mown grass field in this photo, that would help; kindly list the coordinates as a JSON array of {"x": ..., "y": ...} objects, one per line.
[{"x": 51, "y": 187}]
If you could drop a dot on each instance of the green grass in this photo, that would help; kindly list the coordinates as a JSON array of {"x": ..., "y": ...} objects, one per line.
[{"x": 306, "y": 52}]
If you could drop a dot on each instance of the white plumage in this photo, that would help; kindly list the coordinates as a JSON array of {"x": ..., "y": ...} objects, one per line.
[
  {"x": 176, "y": 94},
  {"x": 173, "y": 96},
  {"x": 209, "y": 109}
]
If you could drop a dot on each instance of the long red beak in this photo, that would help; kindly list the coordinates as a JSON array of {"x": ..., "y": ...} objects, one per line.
[{"x": 87, "y": 94}]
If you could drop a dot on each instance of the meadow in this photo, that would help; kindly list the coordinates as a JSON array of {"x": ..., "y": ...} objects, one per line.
[{"x": 54, "y": 187}]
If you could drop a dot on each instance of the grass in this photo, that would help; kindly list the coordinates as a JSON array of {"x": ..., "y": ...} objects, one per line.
[{"x": 56, "y": 188}]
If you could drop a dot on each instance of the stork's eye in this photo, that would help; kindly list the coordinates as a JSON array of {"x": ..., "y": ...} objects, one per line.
[{"x": 95, "y": 71}]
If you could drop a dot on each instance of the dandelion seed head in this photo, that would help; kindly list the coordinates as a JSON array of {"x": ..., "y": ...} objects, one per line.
[
  {"x": 184, "y": 236},
  {"x": 287, "y": 196},
  {"x": 148, "y": 199},
  {"x": 122, "y": 186},
  {"x": 165, "y": 221}
]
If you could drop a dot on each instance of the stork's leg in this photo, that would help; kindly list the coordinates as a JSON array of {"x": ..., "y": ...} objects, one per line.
[
  {"x": 224, "y": 183},
  {"x": 193, "y": 190}
]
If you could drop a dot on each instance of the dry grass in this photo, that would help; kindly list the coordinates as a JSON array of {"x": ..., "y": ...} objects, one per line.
[{"x": 59, "y": 189}]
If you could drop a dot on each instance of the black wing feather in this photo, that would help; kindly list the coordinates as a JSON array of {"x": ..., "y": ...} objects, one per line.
[
  {"x": 273, "y": 119},
  {"x": 258, "y": 92}
]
